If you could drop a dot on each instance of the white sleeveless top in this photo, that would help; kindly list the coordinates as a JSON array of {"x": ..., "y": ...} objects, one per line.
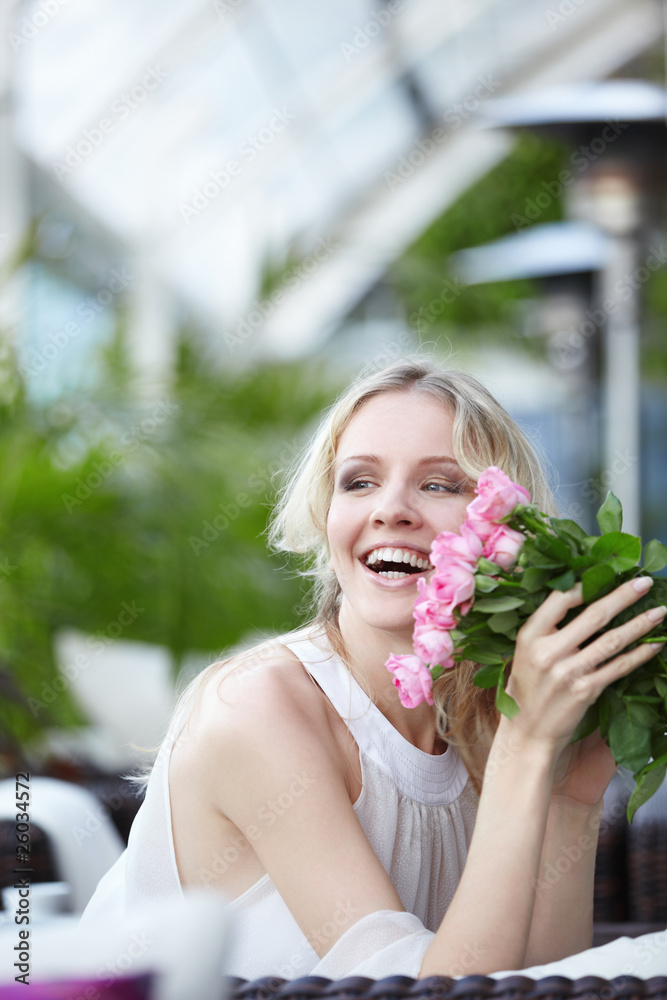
[{"x": 417, "y": 810}]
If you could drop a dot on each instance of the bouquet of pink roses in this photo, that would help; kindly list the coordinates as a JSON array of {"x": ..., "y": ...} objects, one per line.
[{"x": 490, "y": 578}]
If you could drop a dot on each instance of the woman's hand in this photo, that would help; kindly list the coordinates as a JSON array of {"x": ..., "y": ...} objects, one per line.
[
  {"x": 554, "y": 680},
  {"x": 583, "y": 771}
]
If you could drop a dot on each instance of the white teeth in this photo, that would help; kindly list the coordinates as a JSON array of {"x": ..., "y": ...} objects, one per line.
[
  {"x": 398, "y": 556},
  {"x": 392, "y": 574}
]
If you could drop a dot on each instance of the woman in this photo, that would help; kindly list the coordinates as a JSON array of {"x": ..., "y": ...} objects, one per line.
[{"x": 353, "y": 834}]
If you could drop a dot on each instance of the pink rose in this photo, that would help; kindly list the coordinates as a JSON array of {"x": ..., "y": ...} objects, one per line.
[
  {"x": 429, "y": 610},
  {"x": 503, "y": 546},
  {"x": 453, "y": 585},
  {"x": 433, "y": 645},
  {"x": 465, "y": 547},
  {"x": 497, "y": 496},
  {"x": 412, "y": 678}
]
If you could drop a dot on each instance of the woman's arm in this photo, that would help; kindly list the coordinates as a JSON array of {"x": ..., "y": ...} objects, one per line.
[
  {"x": 277, "y": 773},
  {"x": 562, "y": 921},
  {"x": 494, "y": 912}
]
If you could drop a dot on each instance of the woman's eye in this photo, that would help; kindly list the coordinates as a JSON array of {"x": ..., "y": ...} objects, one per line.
[
  {"x": 435, "y": 487},
  {"x": 356, "y": 484}
]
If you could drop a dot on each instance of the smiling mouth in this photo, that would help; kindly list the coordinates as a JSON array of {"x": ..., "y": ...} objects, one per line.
[{"x": 395, "y": 564}]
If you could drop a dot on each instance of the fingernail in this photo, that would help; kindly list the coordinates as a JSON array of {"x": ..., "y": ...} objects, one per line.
[
  {"x": 642, "y": 584},
  {"x": 655, "y": 614},
  {"x": 655, "y": 646}
]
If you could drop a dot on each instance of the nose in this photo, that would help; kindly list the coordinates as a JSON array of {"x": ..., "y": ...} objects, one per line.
[{"x": 395, "y": 505}]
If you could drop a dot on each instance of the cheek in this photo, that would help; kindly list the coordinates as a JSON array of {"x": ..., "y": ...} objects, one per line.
[{"x": 340, "y": 527}]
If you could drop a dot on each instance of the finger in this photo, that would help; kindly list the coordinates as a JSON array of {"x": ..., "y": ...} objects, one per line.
[
  {"x": 616, "y": 639},
  {"x": 544, "y": 620},
  {"x": 593, "y": 684},
  {"x": 598, "y": 614}
]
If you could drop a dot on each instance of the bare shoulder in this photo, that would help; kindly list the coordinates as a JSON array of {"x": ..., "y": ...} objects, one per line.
[{"x": 262, "y": 696}]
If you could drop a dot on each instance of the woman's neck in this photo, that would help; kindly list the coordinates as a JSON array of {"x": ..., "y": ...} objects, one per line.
[{"x": 366, "y": 650}]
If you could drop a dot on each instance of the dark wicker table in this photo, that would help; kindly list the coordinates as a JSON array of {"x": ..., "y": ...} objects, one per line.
[{"x": 443, "y": 988}]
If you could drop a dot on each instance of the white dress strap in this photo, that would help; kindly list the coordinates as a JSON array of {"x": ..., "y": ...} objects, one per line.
[{"x": 433, "y": 779}]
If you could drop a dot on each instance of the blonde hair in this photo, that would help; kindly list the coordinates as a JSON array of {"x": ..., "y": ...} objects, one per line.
[{"x": 484, "y": 434}]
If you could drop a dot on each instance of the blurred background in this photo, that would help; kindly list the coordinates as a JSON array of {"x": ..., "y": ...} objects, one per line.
[{"x": 212, "y": 215}]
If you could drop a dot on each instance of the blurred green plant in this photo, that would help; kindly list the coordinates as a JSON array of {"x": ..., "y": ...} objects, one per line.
[
  {"x": 522, "y": 190},
  {"x": 501, "y": 202},
  {"x": 142, "y": 519}
]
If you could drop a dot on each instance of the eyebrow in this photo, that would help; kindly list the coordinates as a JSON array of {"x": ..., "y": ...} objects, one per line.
[{"x": 429, "y": 460}]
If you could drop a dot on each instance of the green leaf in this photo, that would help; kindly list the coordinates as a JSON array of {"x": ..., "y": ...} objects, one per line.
[
  {"x": 564, "y": 526},
  {"x": 504, "y": 622},
  {"x": 495, "y": 604},
  {"x": 534, "y": 579},
  {"x": 554, "y": 547},
  {"x": 530, "y": 556},
  {"x": 619, "y": 550},
  {"x": 487, "y": 676},
  {"x": 610, "y": 514},
  {"x": 480, "y": 655},
  {"x": 648, "y": 783},
  {"x": 661, "y": 686},
  {"x": 565, "y": 581},
  {"x": 504, "y": 702},
  {"x": 437, "y": 671},
  {"x": 655, "y": 556},
  {"x": 658, "y": 745},
  {"x": 597, "y": 581},
  {"x": 485, "y": 584},
  {"x": 488, "y": 567},
  {"x": 581, "y": 562},
  {"x": 629, "y": 742},
  {"x": 642, "y": 713}
]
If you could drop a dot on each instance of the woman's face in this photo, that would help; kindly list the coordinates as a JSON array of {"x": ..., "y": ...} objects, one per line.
[{"x": 396, "y": 486}]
